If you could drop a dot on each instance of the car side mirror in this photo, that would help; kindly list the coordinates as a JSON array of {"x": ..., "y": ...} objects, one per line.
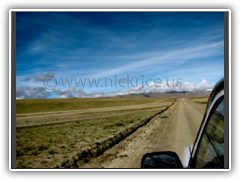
[{"x": 164, "y": 159}]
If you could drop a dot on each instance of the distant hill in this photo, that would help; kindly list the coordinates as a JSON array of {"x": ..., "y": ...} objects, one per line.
[{"x": 173, "y": 94}]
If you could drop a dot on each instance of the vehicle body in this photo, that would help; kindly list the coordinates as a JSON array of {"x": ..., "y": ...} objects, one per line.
[{"x": 208, "y": 149}]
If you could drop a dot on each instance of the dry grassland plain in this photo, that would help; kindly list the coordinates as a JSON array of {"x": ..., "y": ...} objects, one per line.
[
  {"x": 50, "y": 131},
  {"x": 201, "y": 100}
]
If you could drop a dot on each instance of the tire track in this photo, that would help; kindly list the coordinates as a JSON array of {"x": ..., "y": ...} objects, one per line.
[
  {"x": 90, "y": 110},
  {"x": 100, "y": 148},
  {"x": 78, "y": 119},
  {"x": 173, "y": 133}
]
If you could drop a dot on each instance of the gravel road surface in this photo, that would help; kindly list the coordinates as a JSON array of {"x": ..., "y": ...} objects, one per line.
[{"x": 173, "y": 130}]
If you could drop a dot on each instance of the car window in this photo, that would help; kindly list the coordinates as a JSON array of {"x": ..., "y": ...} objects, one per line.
[{"x": 210, "y": 153}]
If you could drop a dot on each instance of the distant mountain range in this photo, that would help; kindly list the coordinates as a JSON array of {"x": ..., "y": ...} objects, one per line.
[{"x": 172, "y": 94}]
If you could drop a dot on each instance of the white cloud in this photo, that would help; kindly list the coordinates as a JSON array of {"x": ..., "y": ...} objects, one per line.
[
  {"x": 203, "y": 86},
  {"x": 164, "y": 87},
  {"x": 31, "y": 92},
  {"x": 42, "y": 77},
  {"x": 26, "y": 79},
  {"x": 69, "y": 93}
]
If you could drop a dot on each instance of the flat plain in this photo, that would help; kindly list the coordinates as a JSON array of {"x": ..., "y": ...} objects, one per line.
[
  {"x": 50, "y": 131},
  {"x": 172, "y": 130}
]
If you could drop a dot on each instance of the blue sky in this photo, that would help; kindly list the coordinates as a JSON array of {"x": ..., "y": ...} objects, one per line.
[{"x": 164, "y": 45}]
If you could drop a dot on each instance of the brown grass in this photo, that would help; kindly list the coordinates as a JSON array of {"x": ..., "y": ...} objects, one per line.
[
  {"x": 47, "y": 146},
  {"x": 49, "y": 105},
  {"x": 200, "y": 100}
]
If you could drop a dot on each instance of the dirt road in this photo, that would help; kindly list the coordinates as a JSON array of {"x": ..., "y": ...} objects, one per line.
[{"x": 173, "y": 130}]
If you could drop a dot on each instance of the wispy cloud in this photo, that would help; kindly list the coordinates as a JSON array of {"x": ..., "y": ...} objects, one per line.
[
  {"x": 102, "y": 45},
  {"x": 26, "y": 79},
  {"x": 163, "y": 60},
  {"x": 42, "y": 77}
]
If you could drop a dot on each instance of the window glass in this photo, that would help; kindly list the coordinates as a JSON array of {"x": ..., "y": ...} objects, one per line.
[{"x": 211, "y": 148}]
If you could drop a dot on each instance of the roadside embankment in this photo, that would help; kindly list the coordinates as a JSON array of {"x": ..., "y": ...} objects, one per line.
[{"x": 100, "y": 147}]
